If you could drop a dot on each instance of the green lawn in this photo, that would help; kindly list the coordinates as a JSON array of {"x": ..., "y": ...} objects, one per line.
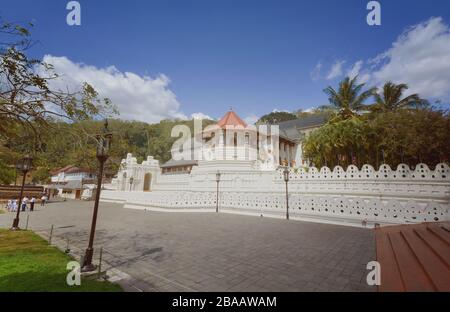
[{"x": 28, "y": 263}]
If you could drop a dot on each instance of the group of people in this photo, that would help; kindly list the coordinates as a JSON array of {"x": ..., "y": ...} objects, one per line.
[{"x": 12, "y": 204}]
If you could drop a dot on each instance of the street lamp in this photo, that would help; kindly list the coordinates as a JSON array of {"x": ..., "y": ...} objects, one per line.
[
  {"x": 23, "y": 165},
  {"x": 103, "y": 148},
  {"x": 286, "y": 179},
  {"x": 217, "y": 193},
  {"x": 131, "y": 182}
]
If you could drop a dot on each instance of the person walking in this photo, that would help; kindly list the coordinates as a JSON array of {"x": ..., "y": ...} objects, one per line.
[
  {"x": 32, "y": 201},
  {"x": 24, "y": 203},
  {"x": 14, "y": 205},
  {"x": 9, "y": 205},
  {"x": 43, "y": 200}
]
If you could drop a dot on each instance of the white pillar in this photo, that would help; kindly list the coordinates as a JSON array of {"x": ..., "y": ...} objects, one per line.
[
  {"x": 220, "y": 149},
  {"x": 289, "y": 155},
  {"x": 282, "y": 152}
]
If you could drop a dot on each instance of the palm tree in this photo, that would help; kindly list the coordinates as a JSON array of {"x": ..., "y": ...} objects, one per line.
[
  {"x": 348, "y": 99},
  {"x": 391, "y": 99}
]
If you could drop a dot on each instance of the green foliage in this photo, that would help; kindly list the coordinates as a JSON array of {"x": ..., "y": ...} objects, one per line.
[
  {"x": 349, "y": 99},
  {"x": 6, "y": 173},
  {"x": 29, "y": 106},
  {"x": 397, "y": 130},
  {"x": 276, "y": 117},
  {"x": 324, "y": 111},
  {"x": 65, "y": 144},
  {"x": 41, "y": 175},
  {"x": 28, "y": 100},
  {"x": 403, "y": 136},
  {"x": 391, "y": 99}
]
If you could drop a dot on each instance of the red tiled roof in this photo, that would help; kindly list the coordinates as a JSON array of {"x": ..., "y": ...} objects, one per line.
[
  {"x": 231, "y": 119},
  {"x": 414, "y": 257},
  {"x": 70, "y": 169},
  {"x": 77, "y": 169},
  {"x": 63, "y": 169}
]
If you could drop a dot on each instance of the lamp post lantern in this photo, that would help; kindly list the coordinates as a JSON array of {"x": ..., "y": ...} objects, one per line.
[
  {"x": 286, "y": 179},
  {"x": 24, "y": 165},
  {"x": 131, "y": 182},
  {"x": 103, "y": 148},
  {"x": 217, "y": 192}
]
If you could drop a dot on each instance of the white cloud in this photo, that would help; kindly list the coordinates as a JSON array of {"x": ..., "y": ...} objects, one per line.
[
  {"x": 308, "y": 110},
  {"x": 137, "y": 97},
  {"x": 356, "y": 68},
  {"x": 315, "y": 73},
  {"x": 276, "y": 110},
  {"x": 420, "y": 57},
  {"x": 336, "y": 70},
  {"x": 364, "y": 77},
  {"x": 200, "y": 116}
]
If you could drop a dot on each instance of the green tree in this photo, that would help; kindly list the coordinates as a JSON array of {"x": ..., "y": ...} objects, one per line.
[
  {"x": 276, "y": 117},
  {"x": 41, "y": 175},
  {"x": 27, "y": 95},
  {"x": 349, "y": 99},
  {"x": 403, "y": 136},
  {"x": 6, "y": 173},
  {"x": 392, "y": 98},
  {"x": 34, "y": 114}
]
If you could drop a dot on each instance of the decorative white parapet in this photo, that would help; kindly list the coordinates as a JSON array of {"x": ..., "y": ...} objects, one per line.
[{"x": 353, "y": 197}]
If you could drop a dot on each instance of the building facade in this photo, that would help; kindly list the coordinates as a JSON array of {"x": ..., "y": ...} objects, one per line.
[
  {"x": 70, "y": 182},
  {"x": 229, "y": 181}
]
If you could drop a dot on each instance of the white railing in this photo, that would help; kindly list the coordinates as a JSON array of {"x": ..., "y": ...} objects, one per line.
[
  {"x": 367, "y": 172},
  {"x": 356, "y": 197}
]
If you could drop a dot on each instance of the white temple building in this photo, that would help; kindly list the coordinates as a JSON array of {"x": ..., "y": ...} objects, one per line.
[
  {"x": 231, "y": 145},
  {"x": 235, "y": 168}
]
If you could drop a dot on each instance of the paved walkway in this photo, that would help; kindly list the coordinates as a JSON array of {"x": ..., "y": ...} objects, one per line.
[{"x": 213, "y": 252}]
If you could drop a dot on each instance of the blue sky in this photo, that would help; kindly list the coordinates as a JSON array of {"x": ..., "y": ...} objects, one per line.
[{"x": 189, "y": 56}]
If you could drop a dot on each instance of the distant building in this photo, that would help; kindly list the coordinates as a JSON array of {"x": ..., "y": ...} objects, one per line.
[
  {"x": 70, "y": 181},
  {"x": 297, "y": 131},
  {"x": 180, "y": 166}
]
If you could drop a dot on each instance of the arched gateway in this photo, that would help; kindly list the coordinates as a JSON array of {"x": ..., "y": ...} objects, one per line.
[{"x": 147, "y": 182}]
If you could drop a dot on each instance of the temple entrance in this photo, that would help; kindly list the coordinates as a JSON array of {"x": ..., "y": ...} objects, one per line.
[{"x": 147, "y": 182}]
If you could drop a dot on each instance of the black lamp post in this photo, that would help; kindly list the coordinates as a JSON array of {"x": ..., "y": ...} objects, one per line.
[
  {"x": 24, "y": 165},
  {"x": 131, "y": 182},
  {"x": 217, "y": 193},
  {"x": 103, "y": 147},
  {"x": 286, "y": 179}
]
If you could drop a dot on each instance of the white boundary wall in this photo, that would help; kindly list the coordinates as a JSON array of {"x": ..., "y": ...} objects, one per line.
[{"x": 353, "y": 197}]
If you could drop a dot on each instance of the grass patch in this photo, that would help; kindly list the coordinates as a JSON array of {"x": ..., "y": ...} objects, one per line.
[{"x": 28, "y": 263}]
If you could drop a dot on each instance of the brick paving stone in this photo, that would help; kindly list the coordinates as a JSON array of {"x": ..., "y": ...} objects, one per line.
[{"x": 213, "y": 252}]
